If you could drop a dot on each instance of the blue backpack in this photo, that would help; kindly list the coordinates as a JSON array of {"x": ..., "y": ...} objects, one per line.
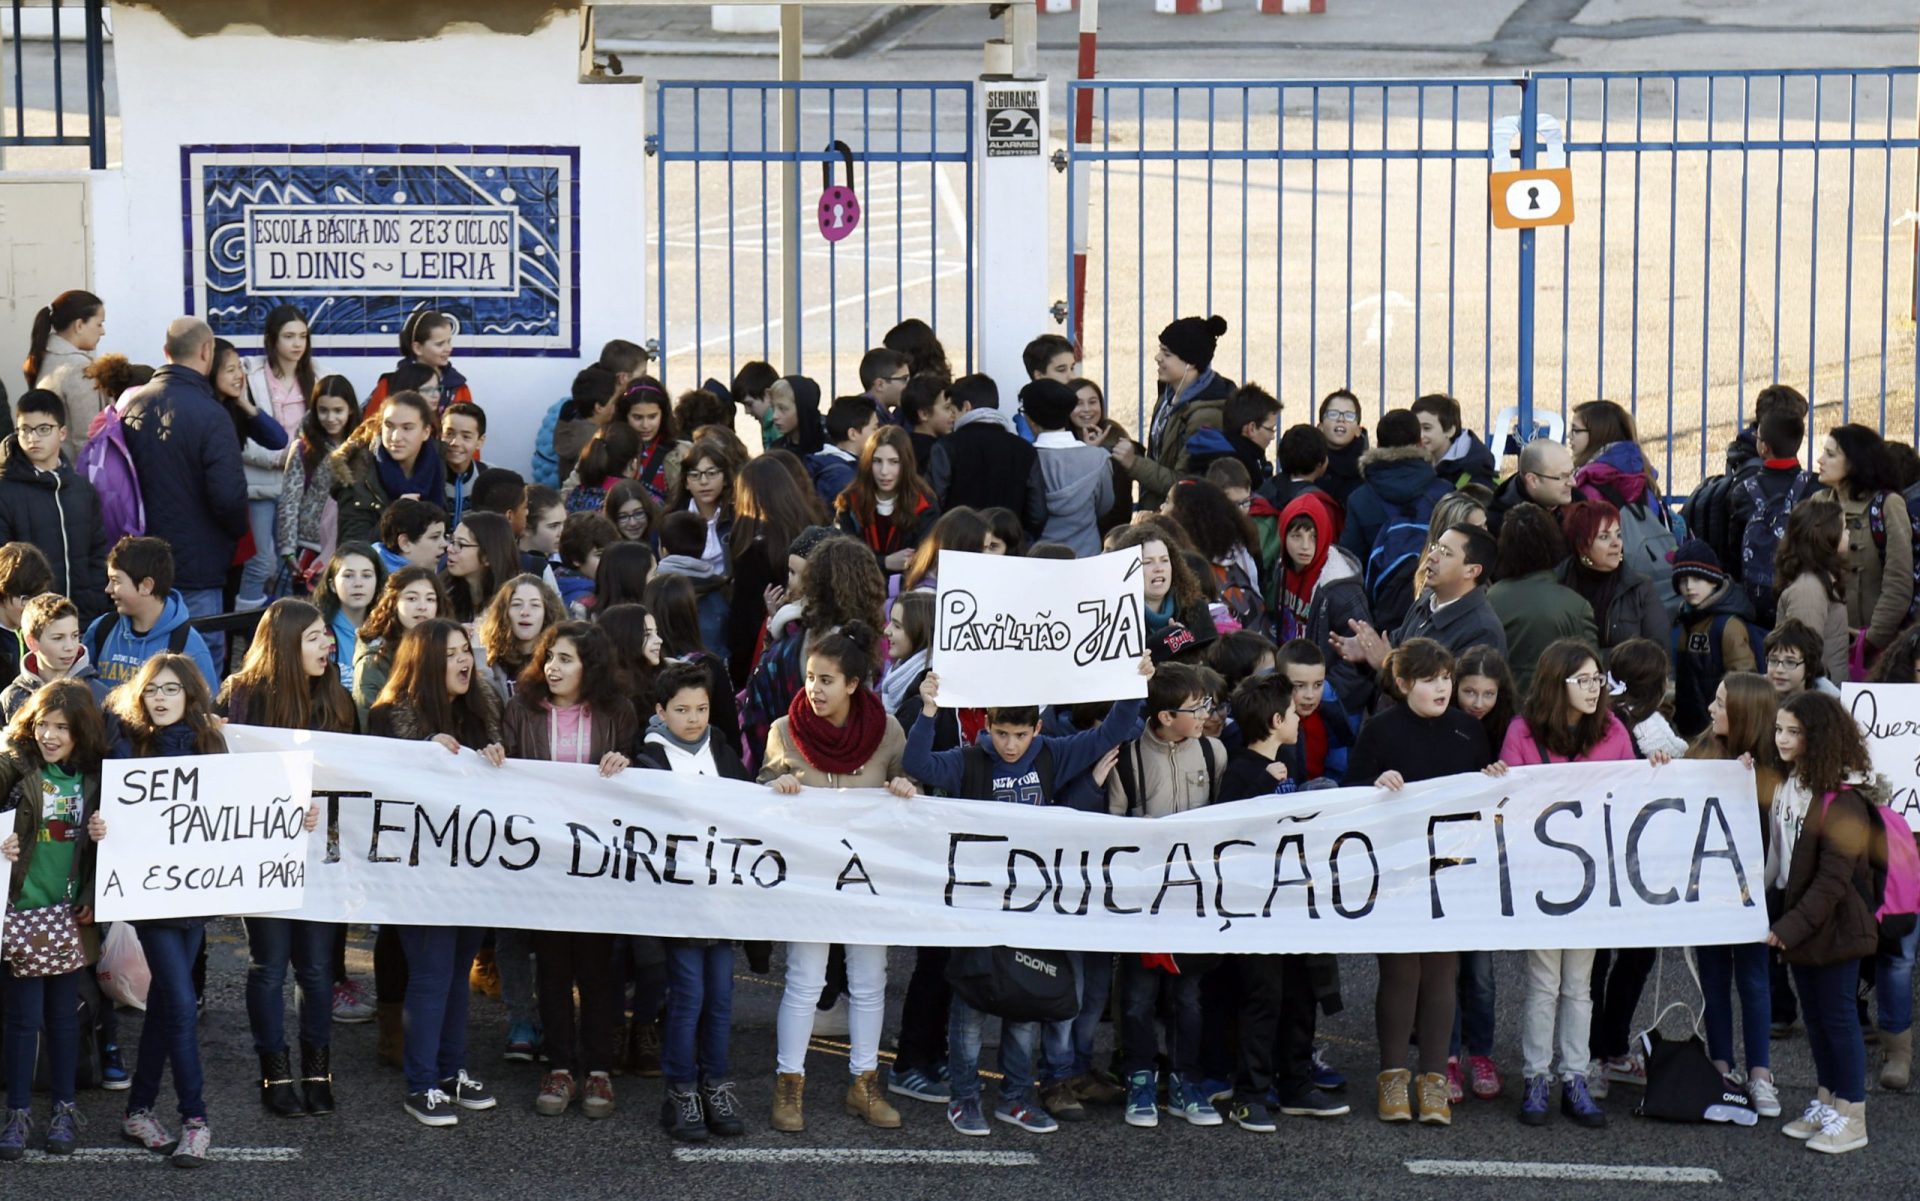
[
  {"x": 1761, "y": 538},
  {"x": 107, "y": 464},
  {"x": 1397, "y": 550}
]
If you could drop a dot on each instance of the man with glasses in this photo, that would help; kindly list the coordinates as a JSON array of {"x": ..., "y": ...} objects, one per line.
[
  {"x": 1545, "y": 478},
  {"x": 1453, "y": 611},
  {"x": 47, "y": 503}
]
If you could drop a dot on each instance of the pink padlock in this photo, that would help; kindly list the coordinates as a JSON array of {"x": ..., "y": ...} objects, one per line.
[{"x": 839, "y": 208}]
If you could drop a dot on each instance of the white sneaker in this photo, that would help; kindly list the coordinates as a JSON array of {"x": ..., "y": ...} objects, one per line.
[
  {"x": 1596, "y": 1080},
  {"x": 1844, "y": 1130},
  {"x": 1765, "y": 1097},
  {"x": 1809, "y": 1123}
]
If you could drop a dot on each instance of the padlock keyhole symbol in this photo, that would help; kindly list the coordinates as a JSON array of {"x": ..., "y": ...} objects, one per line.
[{"x": 1533, "y": 200}]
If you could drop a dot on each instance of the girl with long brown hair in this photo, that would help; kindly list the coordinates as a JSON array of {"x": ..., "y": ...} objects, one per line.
[
  {"x": 523, "y": 609},
  {"x": 1810, "y": 576},
  {"x": 1740, "y": 726},
  {"x": 289, "y": 681},
  {"x": 887, "y": 506},
  {"x": 437, "y": 693},
  {"x": 411, "y": 595},
  {"x": 770, "y": 509}
]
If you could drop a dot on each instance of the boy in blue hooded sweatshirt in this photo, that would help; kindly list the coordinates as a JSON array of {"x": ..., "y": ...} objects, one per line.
[
  {"x": 149, "y": 617},
  {"x": 1015, "y": 763}
]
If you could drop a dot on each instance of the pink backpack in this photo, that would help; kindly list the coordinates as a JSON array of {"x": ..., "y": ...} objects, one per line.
[
  {"x": 107, "y": 464},
  {"x": 1895, "y": 859}
]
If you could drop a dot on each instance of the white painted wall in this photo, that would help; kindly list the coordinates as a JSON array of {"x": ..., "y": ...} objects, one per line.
[{"x": 461, "y": 88}]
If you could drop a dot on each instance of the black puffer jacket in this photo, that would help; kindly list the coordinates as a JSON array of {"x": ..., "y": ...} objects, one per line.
[{"x": 59, "y": 512}]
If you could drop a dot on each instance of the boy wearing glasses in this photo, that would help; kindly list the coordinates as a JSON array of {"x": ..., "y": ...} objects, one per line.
[
  {"x": 47, "y": 503},
  {"x": 1346, "y": 442},
  {"x": 1171, "y": 768}
]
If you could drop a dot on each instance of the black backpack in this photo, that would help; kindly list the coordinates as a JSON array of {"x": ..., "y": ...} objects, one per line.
[
  {"x": 1708, "y": 516},
  {"x": 1014, "y": 984},
  {"x": 976, "y": 774},
  {"x": 1761, "y": 537}
]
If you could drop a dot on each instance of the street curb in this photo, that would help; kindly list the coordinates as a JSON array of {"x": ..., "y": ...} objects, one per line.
[{"x": 846, "y": 45}]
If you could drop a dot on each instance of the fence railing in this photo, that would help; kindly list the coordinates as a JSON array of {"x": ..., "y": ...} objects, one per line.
[
  {"x": 38, "y": 93},
  {"x": 1730, "y": 229}
]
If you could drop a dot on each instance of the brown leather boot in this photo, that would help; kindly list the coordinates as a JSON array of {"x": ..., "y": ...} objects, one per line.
[
  {"x": 866, "y": 1101},
  {"x": 390, "y": 1021},
  {"x": 789, "y": 1089}
]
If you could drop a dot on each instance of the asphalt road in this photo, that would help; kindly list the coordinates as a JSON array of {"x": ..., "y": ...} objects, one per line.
[{"x": 370, "y": 1145}]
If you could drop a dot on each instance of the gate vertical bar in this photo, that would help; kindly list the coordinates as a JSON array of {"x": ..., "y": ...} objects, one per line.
[
  {"x": 97, "y": 86},
  {"x": 1529, "y": 114}
]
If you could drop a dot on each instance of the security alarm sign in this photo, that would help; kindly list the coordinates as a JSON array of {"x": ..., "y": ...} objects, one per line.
[{"x": 1013, "y": 122}]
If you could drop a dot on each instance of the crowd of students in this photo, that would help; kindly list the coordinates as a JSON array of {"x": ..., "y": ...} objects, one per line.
[{"x": 1325, "y": 607}]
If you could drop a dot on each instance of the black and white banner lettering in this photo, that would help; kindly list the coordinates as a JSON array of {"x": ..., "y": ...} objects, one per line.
[
  {"x": 203, "y": 835},
  {"x": 1889, "y": 716},
  {"x": 1607, "y": 855}
]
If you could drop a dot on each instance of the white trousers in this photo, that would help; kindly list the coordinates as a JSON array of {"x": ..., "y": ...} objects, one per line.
[
  {"x": 866, "y": 1004},
  {"x": 1559, "y": 992}
]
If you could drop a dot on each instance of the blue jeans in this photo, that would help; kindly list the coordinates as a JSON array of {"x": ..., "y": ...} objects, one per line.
[
  {"x": 964, "y": 1027},
  {"x": 1096, "y": 989},
  {"x": 1893, "y": 985},
  {"x": 438, "y": 958},
  {"x": 273, "y": 942},
  {"x": 209, "y": 602},
  {"x": 32, "y": 1001},
  {"x": 699, "y": 1012},
  {"x": 1473, "y": 1021},
  {"x": 1833, "y": 1027},
  {"x": 172, "y": 1030},
  {"x": 1742, "y": 967},
  {"x": 259, "y": 570}
]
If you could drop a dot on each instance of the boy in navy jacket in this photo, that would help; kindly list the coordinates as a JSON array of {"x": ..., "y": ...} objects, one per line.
[{"x": 1012, "y": 762}]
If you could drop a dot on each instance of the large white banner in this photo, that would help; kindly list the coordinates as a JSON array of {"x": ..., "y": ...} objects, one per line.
[
  {"x": 1605, "y": 855},
  {"x": 1014, "y": 631},
  {"x": 1889, "y": 715},
  {"x": 203, "y": 835}
]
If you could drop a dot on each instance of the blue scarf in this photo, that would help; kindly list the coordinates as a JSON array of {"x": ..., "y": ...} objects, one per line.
[
  {"x": 1171, "y": 404},
  {"x": 428, "y": 479}
]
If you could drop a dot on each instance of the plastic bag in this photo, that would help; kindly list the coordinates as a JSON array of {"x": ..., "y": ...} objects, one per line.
[{"x": 122, "y": 970}]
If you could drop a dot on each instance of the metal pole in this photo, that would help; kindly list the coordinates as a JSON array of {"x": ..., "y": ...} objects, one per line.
[
  {"x": 1082, "y": 140},
  {"x": 96, "y": 86},
  {"x": 1529, "y": 115},
  {"x": 790, "y": 190}
]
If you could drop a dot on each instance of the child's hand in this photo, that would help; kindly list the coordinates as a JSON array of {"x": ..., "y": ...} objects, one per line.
[
  {"x": 930, "y": 694},
  {"x": 1104, "y": 767},
  {"x": 776, "y": 595},
  {"x": 494, "y": 753},
  {"x": 900, "y": 786},
  {"x": 1277, "y": 770},
  {"x": 1660, "y": 758},
  {"x": 97, "y": 826},
  {"x": 1746, "y": 760},
  {"x": 1123, "y": 454},
  {"x": 787, "y": 785},
  {"x": 612, "y": 764},
  {"x": 1495, "y": 769},
  {"x": 1146, "y": 665},
  {"x": 10, "y": 848},
  {"x": 449, "y": 741},
  {"x": 312, "y": 821},
  {"x": 897, "y": 561},
  {"x": 83, "y": 915},
  {"x": 1392, "y": 781}
]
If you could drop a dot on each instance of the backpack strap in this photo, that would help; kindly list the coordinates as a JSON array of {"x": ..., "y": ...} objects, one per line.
[
  {"x": 1128, "y": 766},
  {"x": 1213, "y": 769},
  {"x": 976, "y": 774},
  {"x": 177, "y": 638},
  {"x": 94, "y": 638},
  {"x": 1877, "y": 522},
  {"x": 1719, "y": 657}
]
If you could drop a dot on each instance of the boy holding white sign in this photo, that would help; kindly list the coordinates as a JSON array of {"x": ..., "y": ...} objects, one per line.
[{"x": 1014, "y": 763}]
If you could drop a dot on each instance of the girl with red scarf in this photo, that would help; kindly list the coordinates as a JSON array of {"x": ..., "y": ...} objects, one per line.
[
  {"x": 644, "y": 409},
  {"x": 1320, "y": 589},
  {"x": 836, "y": 734},
  {"x": 887, "y": 506}
]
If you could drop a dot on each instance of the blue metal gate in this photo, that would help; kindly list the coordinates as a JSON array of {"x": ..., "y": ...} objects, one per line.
[
  {"x": 1343, "y": 229},
  {"x": 718, "y": 275}
]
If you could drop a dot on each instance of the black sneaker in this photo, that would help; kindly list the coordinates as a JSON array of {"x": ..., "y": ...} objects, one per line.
[
  {"x": 431, "y": 1107},
  {"x": 466, "y": 1092},
  {"x": 1252, "y": 1115},
  {"x": 680, "y": 1115},
  {"x": 1312, "y": 1103}
]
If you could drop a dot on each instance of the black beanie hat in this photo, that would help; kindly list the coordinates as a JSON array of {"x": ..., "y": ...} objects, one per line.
[
  {"x": 1048, "y": 404},
  {"x": 1194, "y": 339}
]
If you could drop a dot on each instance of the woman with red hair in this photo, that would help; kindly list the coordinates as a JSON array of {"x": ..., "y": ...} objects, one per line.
[{"x": 1624, "y": 602}]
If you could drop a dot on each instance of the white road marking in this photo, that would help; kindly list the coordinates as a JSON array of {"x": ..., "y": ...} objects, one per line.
[
  {"x": 99, "y": 1155},
  {"x": 828, "y": 1155},
  {"x": 1494, "y": 1169}
]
